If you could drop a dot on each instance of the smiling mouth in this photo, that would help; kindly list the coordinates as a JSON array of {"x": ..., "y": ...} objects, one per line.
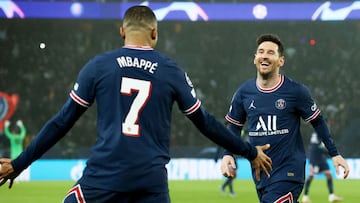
[{"x": 265, "y": 63}]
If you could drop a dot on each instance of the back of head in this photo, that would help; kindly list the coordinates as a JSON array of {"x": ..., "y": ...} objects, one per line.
[{"x": 139, "y": 18}]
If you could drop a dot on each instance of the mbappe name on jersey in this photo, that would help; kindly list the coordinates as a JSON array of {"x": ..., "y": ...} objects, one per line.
[{"x": 133, "y": 62}]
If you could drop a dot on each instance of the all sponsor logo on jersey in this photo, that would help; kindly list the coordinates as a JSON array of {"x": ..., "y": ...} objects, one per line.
[{"x": 267, "y": 126}]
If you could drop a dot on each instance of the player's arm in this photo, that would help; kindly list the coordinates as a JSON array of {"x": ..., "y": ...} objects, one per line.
[
  {"x": 236, "y": 130},
  {"x": 321, "y": 128},
  {"x": 216, "y": 131},
  {"x": 323, "y": 132},
  {"x": 48, "y": 136},
  {"x": 56, "y": 127},
  {"x": 228, "y": 157},
  {"x": 81, "y": 97},
  {"x": 228, "y": 163}
]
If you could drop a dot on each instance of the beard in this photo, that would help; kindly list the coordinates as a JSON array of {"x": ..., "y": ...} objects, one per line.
[{"x": 267, "y": 75}]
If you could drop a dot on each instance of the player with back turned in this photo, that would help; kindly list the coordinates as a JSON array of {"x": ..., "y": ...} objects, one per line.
[
  {"x": 135, "y": 88},
  {"x": 273, "y": 106}
]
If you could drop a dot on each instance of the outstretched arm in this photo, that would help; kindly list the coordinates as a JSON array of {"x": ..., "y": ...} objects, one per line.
[
  {"x": 213, "y": 129},
  {"x": 49, "y": 135},
  {"x": 217, "y": 132},
  {"x": 256, "y": 163}
]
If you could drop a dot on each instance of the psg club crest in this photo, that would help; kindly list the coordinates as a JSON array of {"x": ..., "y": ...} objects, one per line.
[
  {"x": 8, "y": 104},
  {"x": 280, "y": 104}
]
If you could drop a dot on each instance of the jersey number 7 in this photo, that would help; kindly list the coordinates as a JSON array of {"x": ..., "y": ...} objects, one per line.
[{"x": 130, "y": 126}]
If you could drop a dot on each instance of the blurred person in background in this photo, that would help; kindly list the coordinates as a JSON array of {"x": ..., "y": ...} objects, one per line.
[
  {"x": 318, "y": 165},
  {"x": 229, "y": 180},
  {"x": 16, "y": 137}
]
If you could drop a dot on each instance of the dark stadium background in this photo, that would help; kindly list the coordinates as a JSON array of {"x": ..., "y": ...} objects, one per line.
[{"x": 218, "y": 57}]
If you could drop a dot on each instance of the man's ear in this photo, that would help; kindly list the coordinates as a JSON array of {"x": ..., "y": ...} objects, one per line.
[
  {"x": 154, "y": 33},
  {"x": 122, "y": 32},
  {"x": 282, "y": 61}
]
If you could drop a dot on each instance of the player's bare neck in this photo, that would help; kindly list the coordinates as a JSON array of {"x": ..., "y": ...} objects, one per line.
[
  {"x": 268, "y": 81},
  {"x": 137, "y": 40},
  {"x": 137, "y": 44}
]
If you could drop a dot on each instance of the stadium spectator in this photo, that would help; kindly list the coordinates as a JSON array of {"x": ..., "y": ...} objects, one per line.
[
  {"x": 135, "y": 88},
  {"x": 318, "y": 165},
  {"x": 273, "y": 105}
]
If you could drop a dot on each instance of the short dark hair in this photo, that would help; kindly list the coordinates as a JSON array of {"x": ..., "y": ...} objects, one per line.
[
  {"x": 271, "y": 38},
  {"x": 139, "y": 16}
]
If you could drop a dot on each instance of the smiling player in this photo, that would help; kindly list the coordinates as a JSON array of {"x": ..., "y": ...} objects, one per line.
[{"x": 272, "y": 105}]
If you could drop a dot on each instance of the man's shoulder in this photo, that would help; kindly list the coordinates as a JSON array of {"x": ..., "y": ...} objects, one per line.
[
  {"x": 295, "y": 87},
  {"x": 294, "y": 83},
  {"x": 247, "y": 85}
]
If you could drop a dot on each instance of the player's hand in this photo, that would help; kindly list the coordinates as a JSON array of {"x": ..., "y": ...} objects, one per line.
[
  {"x": 7, "y": 123},
  {"x": 228, "y": 166},
  {"x": 7, "y": 172},
  {"x": 340, "y": 161},
  {"x": 262, "y": 162}
]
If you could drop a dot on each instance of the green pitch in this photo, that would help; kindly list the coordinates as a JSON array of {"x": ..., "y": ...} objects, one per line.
[{"x": 180, "y": 191}]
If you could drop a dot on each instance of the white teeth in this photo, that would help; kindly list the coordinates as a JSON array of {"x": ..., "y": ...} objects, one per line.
[{"x": 264, "y": 63}]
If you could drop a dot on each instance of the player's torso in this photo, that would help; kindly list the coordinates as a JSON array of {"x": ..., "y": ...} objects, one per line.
[
  {"x": 134, "y": 100},
  {"x": 271, "y": 116}
]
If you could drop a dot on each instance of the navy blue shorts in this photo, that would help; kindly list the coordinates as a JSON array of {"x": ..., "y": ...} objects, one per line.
[
  {"x": 280, "y": 192},
  {"x": 83, "y": 194}
]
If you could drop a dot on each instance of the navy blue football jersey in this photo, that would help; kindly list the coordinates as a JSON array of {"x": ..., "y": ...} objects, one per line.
[
  {"x": 273, "y": 116},
  {"x": 134, "y": 89}
]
